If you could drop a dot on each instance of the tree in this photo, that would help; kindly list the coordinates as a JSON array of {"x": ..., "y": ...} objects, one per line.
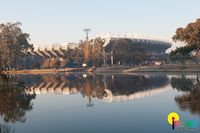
[
  {"x": 74, "y": 57},
  {"x": 125, "y": 51},
  {"x": 183, "y": 53},
  {"x": 13, "y": 45},
  {"x": 96, "y": 50},
  {"x": 86, "y": 51},
  {"x": 92, "y": 51},
  {"x": 189, "y": 35}
]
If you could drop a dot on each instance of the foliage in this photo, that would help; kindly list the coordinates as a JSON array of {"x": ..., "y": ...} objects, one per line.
[
  {"x": 182, "y": 51},
  {"x": 13, "y": 45},
  {"x": 189, "y": 35},
  {"x": 126, "y": 51},
  {"x": 74, "y": 57},
  {"x": 92, "y": 51}
]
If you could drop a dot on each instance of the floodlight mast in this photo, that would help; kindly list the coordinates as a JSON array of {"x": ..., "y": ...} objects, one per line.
[{"x": 87, "y": 31}]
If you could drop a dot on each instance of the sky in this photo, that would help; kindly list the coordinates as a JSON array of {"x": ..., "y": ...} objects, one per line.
[{"x": 63, "y": 21}]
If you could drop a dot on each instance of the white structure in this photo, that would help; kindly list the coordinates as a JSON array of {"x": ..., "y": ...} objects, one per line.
[
  {"x": 55, "y": 50},
  {"x": 134, "y": 37}
]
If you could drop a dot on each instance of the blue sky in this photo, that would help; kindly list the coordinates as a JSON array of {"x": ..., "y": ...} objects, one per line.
[{"x": 59, "y": 21}]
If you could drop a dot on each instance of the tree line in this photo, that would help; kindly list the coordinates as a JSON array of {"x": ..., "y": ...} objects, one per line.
[{"x": 14, "y": 47}]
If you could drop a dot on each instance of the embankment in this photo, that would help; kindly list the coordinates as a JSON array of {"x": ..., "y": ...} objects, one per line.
[
  {"x": 182, "y": 68},
  {"x": 40, "y": 71}
]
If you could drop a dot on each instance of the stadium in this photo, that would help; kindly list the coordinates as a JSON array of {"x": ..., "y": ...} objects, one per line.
[
  {"x": 117, "y": 49},
  {"x": 133, "y": 49}
]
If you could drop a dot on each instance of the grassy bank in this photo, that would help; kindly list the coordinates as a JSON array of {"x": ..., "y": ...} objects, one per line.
[
  {"x": 169, "y": 68},
  {"x": 186, "y": 68},
  {"x": 39, "y": 71}
]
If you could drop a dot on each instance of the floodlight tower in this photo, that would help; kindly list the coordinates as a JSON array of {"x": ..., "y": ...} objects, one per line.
[
  {"x": 87, "y": 31},
  {"x": 86, "y": 47}
]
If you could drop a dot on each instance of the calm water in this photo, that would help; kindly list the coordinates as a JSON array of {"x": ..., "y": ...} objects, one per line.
[{"x": 77, "y": 103}]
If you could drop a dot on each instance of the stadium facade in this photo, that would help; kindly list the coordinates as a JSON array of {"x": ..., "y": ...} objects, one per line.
[
  {"x": 133, "y": 48},
  {"x": 118, "y": 49}
]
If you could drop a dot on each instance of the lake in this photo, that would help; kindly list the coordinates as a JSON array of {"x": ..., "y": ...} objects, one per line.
[{"x": 98, "y": 103}]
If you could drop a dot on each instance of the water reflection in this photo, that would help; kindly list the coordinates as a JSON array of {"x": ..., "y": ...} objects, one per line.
[
  {"x": 14, "y": 101},
  {"x": 190, "y": 99},
  {"x": 17, "y": 92},
  {"x": 123, "y": 87},
  {"x": 5, "y": 128},
  {"x": 106, "y": 87}
]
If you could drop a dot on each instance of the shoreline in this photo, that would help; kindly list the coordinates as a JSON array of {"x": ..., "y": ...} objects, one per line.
[
  {"x": 172, "y": 68},
  {"x": 39, "y": 71}
]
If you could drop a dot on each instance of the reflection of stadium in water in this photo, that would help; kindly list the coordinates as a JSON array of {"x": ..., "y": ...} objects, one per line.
[
  {"x": 106, "y": 87},
  {"x": 17, "y": 92}
]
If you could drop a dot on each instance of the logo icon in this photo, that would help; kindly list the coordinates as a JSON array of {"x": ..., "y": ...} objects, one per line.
[{"x": 174, "y": 120}]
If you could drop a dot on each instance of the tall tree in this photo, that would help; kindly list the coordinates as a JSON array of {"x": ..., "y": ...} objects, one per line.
[
  {"x": 189, "y": 35},
  {"x": 14, "y": 43},
  {"x": 86, "y": 51},
  {"x": 92, "y": 51}
]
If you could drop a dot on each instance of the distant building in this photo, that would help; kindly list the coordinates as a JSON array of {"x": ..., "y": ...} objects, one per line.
[
  {"x": 133, "y": 49},
  {"x": 52, "y": 51},
  {"x": 110, "y": 49}
]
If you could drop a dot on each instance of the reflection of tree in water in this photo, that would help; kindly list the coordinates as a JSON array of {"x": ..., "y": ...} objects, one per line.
[
  {"x": 14, "y": 102},
  {"x": 191, "y": 97},
  {"x": 182, "y": 84},
  {"x": 190, "y": 100},
  {"x": 92, "y": 86},
  {"x": 5, "y": 128}
]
